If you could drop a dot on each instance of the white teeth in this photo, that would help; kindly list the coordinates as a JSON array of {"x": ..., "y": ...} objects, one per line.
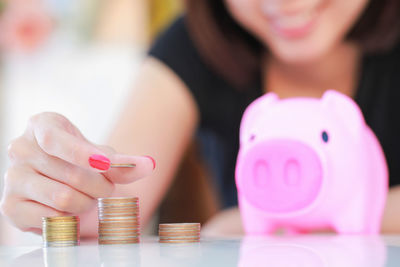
[{"x": 295, "y": 21}]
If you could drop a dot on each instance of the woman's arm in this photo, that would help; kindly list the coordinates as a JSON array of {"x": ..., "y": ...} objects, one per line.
[
  {"x": 391, "y": 216},
  {"x": 123, "y": 21},
  {"x": 159, "y": 119}
]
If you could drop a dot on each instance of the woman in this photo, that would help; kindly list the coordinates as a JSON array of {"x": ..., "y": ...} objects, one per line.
[{"x": 200, "y": 75}]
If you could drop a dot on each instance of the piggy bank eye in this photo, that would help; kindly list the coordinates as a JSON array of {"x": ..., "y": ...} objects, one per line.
[
  {"x": 325, "y": 136},
  {"x": 252, "y": 137}
]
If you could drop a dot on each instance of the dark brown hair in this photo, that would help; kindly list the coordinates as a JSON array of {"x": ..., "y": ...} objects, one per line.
[{"x": 235, "y": 54}]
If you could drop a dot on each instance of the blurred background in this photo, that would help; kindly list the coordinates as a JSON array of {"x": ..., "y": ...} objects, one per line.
[{"x": 59, "y": 55}]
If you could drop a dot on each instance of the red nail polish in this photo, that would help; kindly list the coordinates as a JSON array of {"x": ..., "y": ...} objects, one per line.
[
  {"x": 154, "y": 162},
  {"x": 99, "y": 162}
]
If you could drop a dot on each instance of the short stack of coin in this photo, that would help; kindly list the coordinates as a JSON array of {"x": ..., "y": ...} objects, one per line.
[
  {"x": 60, "y": 231},
  {"x": 119, "y": 220},
  {"x": 179, "y": 232}
]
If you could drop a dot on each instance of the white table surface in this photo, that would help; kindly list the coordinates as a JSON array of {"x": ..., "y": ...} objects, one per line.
[{"x": 309, "y": 251}]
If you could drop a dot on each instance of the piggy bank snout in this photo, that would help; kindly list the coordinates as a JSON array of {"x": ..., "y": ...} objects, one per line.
[
  {"x": 290, "y": 168},
  {"x": 280, "y": 175}
]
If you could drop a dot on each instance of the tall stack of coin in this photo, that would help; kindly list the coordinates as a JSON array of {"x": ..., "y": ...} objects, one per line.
[
  {"x": 60, "y": 231},
  {"x": 179, "y": 232},
  {"x": 119, "y": 220}
]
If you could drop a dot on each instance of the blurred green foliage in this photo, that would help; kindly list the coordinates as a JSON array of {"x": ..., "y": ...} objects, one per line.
[{"x": 2, "y": 6}]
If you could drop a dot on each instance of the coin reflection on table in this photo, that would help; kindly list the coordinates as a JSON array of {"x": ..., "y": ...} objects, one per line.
[
  {"x": 60, "y": 256},
  {"x": 181, "y": 250},
  {"x": 120, "y": 255}
]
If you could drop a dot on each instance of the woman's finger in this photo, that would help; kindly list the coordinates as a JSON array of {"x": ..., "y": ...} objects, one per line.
[
  {"x": 61, "y": 144},
  {"x": 27, "y": 215},
  {"x": 74, "y": 149},
  {"x": 91, "y": 183},
  {"x": 94, "y": 184},
  {"x": 144, "y": 166},
  {"x": 33, "y": 186}
]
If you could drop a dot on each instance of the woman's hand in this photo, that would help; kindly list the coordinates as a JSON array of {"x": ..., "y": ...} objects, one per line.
[
  {"x": 224, "y": 223},
  {"x": 55, "y": 171}
]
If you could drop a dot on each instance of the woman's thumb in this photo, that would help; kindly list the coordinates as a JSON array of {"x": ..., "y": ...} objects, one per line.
[{"x": 125, "y": 169}]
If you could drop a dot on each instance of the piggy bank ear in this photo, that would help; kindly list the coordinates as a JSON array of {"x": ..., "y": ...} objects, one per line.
[
  {"x": 345, "y": 109},
  {"x": 253, "y": 112}
]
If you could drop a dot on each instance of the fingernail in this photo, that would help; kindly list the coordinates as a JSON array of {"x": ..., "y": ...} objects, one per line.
[
  {"x": 99, "y": 162},
  {"x": 152, "y": 160}
]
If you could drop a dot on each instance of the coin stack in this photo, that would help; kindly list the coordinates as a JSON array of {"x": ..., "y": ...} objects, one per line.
[
  {"x": 179, "y": 232},
  {"x": 60, "y": 231},
  {"x": 119, "y": 220}
]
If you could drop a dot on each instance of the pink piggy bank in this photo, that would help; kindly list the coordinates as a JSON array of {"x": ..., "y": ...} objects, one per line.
[{"x": 307, "y": 164}]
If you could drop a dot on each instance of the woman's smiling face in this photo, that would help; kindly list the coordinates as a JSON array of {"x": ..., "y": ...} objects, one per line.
[{"x": 297, "y": 31}]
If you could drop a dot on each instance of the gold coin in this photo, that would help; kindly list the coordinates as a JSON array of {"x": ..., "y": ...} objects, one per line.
[{"x": 60, "y": 231}]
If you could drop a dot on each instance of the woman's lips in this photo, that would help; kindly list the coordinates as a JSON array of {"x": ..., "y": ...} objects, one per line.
[
  {"x": 295, "y": 26},
  {"x": 292, "y": 22}
]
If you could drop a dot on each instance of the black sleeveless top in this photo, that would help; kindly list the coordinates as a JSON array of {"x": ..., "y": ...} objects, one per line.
[{"x": 221, "y": 106}]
